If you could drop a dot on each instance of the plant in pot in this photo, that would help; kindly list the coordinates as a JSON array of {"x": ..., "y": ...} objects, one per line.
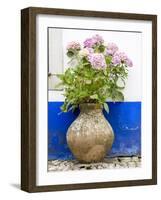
[{"x": 97, "y": 72}]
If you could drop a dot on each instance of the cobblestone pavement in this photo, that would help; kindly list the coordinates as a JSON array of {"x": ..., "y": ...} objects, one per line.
[{"x": 108, "y": 163}]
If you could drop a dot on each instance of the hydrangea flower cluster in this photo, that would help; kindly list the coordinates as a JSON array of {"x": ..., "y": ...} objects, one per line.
[
  {"x": 121, "y": 57},
  {"x": 97, "y": 72},
  {"x": 86, "y": 52},
  {"x": 73, "y": 46},
  {"x": 98, "y": 54},
  {"x": 93, "y": 41},
  {"x": 111, "y": 49},
  {"x": 97, "y": 60}
]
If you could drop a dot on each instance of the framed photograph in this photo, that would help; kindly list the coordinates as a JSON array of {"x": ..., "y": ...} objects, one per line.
[{"x": 88, "y": 99}]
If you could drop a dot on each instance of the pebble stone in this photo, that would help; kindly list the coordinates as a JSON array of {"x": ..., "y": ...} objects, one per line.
[
  {"x": 135, "y": 158},
  {"x": 107, "y": 163},
  {"x": 138, "y": 164},
  {"x": 131, "y": 164}
]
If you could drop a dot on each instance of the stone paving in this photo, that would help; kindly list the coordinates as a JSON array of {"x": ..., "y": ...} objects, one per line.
[{"x": 107, "y": 163}]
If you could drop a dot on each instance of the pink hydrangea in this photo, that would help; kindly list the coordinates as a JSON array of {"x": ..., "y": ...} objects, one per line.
[
  {"x": 90, "y": 50},
  {"x": 111, "y": 49},
  {"x": 98, "y": 39},
  {"x": 89, "y": 43},
  {"x": 95, "y": 40},
  {"x": 116, "y": 59},
  {"x": 74, "y": 45},
  {"x": 128, "y": 62},
  {"x": 121, "y": 57},
  {"x": 97, "y": 60}
]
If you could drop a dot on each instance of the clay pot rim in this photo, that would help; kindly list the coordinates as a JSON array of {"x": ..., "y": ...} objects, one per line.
[{"x": 90, "y": 105}]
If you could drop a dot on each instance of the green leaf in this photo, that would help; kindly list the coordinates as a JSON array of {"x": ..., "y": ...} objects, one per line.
[
  {"x": 85, "y": 64},
  {"x": 105, "y": 105},
  {"x": 101, "y": 48},
  {"x": 105, "y": 72},
  {"x": 94, "y": 96},
  {"x": 70, "y": 54},
  {"x": 59, "y": 86},
  {"x": 88, "y": 81},
  {"x": 119, "y": 96},
  {"x": 120, "y": 83},
  {"x": 108, "y": 60},
  {"x": 60, "y": 76}
]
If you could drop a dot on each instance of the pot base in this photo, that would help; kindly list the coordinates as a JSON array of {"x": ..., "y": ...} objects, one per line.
[{"x": 95, "y": 154}]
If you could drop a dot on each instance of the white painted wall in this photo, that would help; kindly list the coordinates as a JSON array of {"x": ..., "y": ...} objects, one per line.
[
  {"x": 55, "y": 55},
  {"x": 10, "y": 99}
]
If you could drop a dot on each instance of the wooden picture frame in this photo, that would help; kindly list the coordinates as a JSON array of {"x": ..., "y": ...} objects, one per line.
[{"x": 28, "y": 98}]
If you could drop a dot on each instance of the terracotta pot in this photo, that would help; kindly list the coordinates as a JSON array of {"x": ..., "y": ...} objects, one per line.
[{"x": 90, "y": 136}]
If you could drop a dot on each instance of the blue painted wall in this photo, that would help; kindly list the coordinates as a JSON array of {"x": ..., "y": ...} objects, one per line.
[{"x": 124, "y": 117}]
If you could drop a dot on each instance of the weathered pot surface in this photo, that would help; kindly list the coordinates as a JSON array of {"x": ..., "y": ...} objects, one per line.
[{"x": 90, "y": 136}]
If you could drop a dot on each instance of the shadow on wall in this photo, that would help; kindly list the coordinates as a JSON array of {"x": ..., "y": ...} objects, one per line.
[{"x": 124, "y": 117}]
